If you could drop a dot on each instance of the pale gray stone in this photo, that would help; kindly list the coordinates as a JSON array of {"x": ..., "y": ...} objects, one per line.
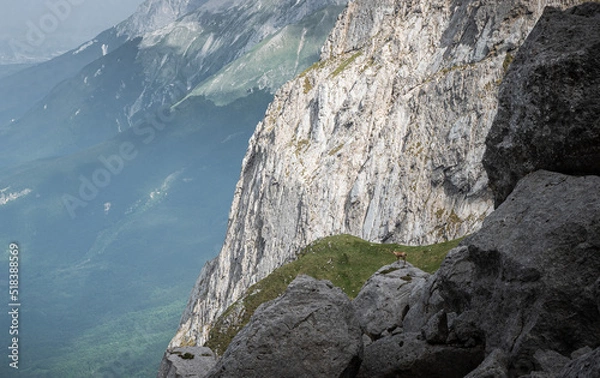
[
  {"x": 407, "y": 355},
  {"x": 187, "y": 362},
  {"x": 586, "y": 366},
  {"x": 383, "y": 299}
]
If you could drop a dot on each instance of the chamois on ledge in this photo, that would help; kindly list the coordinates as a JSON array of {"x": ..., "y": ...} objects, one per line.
[{"x": 400, "y": 255}]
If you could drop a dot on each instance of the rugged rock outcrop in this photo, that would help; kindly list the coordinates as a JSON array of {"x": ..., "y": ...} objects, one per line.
[
  {"x": 408, "y": 355},
  {"x": 384, "y": 297},
  {"x": 549, "y": 114},
  {"x": 187, "y": 362},
  {"x": 382, "y": 139},
  {"x": 518, "y": 298},
  {"x": 526, "y": 283},
  {"x": 586, "y": 366},
  {"x": 310, "y": 331},
  {"x": 522, "y": 291}
]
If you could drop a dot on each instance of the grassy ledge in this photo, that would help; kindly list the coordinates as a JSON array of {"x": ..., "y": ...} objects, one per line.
[{"x": 345, "y": 260}]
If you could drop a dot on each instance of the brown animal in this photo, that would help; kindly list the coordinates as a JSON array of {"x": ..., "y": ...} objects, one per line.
[{"x": 400, "y": 255}]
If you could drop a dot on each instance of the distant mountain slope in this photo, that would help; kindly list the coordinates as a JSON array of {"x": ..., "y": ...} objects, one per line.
[
  {"x": 132, "y": 248},
  {"x": 114, "y": 92},
  {"x": 155, "y": 14},
  {"x": 19, "y": 92},
  {"x": 9, "y": 69},
  {"x": 269, "y": 64}
]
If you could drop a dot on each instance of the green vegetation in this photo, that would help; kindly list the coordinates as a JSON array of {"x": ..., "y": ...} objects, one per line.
[
  {"x": 315, "y": 66},
  {"x": 301, "y": 146},
  {"x": 508, "y": 59},
  {"x": 336, "y": 149},
  {"x": 345, "y": 260},
  {"x": 345, "y": 64},
  {"x": 307, "y": 85},
  {"x": 113, "y": 348}
]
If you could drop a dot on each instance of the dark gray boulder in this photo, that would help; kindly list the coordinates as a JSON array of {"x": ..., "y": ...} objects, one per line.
[
  {"x": 310, "y": 331},
  {"x": 549, "y": 102},
  {"x": 494, "y": 366},
  {"x": 187, "y": 362},
  {"x": 408, "y": 355},
  {"x": 384, "y": 298},
  {"x": 526, "y": 283},
  {"x": 586, "y": 366},
  {"x": 549, "y": 361}
]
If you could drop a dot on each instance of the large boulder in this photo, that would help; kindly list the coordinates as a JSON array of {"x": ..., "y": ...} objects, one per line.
[
  {"x": 494, "y": 366},
  {"x": 408, "y": 355},
  {"x": 586, "y": 366},
  {"x": 384, "y": 298},
  {"x": 381, "y": 306},
  {"x": 310, "y": 331},
  {"x": 526, "y": 284},
  {"x": 549, "y": 102},
  {"x": 187, "y": 362}
]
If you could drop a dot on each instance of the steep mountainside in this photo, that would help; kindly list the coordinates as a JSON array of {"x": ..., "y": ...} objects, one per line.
[
  {"x": 158, "y": 69},
  {"x": 383, "y": 139},
  {"x": 155, "y": 14},
  {"x": 21, "y": 91}
]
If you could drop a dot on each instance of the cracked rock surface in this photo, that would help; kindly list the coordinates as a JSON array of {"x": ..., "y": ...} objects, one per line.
[{"x": 549, "y": 102}]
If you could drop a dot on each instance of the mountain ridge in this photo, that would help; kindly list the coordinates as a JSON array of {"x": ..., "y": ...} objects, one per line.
[{"x": 158, "y": 69}]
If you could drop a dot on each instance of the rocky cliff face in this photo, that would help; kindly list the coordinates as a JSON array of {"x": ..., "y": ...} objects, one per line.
[
  {"x": 383, "y": 139},
  {"x": 518, "y": 298},
  {"x": 152, "y": 15}
]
